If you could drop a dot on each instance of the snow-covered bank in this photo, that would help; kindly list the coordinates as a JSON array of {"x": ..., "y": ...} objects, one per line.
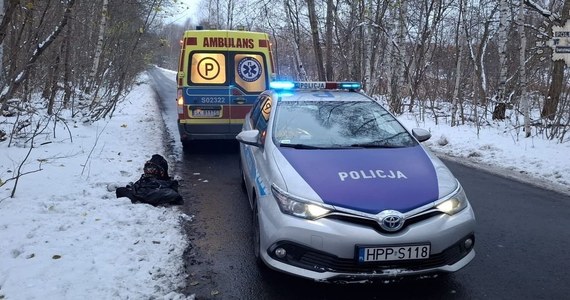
[{"x": 66, "y": 236}]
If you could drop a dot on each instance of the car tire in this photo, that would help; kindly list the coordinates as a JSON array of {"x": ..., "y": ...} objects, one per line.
[
  {"x": 242, "y": 175},
  {"x": 256, "y": 235}
]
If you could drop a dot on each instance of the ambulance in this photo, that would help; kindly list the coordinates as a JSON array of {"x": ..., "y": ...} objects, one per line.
[{"x": 220, "y": 74}]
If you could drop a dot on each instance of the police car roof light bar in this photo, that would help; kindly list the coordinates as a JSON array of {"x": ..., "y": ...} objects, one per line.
[
  {"x": 314, "y": 85},
  {"x": 282, "y": 85},
  {"x": 350, "y": 85}
]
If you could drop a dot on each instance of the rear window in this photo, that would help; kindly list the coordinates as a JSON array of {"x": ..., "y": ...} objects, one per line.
[
  {"x": 250, "y": 72},
  {"x": 208, "y": 68}
]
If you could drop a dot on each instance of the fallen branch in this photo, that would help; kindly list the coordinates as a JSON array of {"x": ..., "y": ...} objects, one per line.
[
  {"x": 93, "y": 148},
  {"x": 19, "y": 172}
]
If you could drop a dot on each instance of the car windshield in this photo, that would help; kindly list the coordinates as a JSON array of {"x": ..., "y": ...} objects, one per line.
[{"x": 334, "y": 124}]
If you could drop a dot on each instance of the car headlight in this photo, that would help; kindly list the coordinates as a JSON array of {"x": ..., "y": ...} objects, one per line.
[
  {"x": 291, "y": 205},
  {"x": 454, "y": 204}
]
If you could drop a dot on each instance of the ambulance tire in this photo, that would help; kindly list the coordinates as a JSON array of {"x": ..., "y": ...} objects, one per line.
[{"x": 187, "y": 146}]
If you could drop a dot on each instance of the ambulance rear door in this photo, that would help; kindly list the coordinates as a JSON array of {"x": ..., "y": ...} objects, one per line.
[
  {"x": 250, "y": 78},
  {"x": 207, "y": 92}
]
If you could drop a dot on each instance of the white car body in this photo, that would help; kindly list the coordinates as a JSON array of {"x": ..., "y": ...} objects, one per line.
[{"x": 352, "y": 211}]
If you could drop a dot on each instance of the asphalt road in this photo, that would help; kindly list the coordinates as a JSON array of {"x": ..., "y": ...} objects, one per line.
[{"x": 522, "y": 239}]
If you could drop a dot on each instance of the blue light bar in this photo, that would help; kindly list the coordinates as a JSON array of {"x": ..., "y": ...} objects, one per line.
[
  {"x": 350, "y": 85},
  {"x": 282, "y": 85},
  {"x": 314, "y": 85}
]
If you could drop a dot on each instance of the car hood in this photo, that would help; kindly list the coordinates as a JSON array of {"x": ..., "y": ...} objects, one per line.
[{"x": 368, "y": 180}]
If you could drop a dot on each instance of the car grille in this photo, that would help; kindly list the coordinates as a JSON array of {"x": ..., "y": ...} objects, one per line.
[
  {"x": 374, "y": 223},
  {"x": 307, "y": 258}
]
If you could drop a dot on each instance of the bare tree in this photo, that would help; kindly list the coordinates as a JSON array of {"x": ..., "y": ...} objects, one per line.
[
  {"x": 553, "y": 97},
  {"x": 500, "y": 106},
  {"x": 41, "y": 45},
  {"x": 460, "y": 41},
  {"x": 292, "y": 12},
  {"x": 522, "y": 70}
]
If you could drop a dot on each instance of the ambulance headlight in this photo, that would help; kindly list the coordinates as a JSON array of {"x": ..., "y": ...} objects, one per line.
[
  {"x": 294, "y": 206},
  {"x": 454, "y": 204}
]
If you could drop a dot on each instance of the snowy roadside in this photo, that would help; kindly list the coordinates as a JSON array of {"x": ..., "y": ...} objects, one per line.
[
  {"x": 501, "y": 151},
  {"x": 65, "y": 235}
]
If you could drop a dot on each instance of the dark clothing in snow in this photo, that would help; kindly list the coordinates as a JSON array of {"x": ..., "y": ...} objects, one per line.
[
  {"x": 153, "y": 191},
  {"x": 154, "y": 187}
]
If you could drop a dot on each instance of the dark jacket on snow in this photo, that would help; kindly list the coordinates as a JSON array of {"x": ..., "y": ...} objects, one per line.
[
  {"x": 151, "y": 190},
  {"x": 154, "y": 187}
]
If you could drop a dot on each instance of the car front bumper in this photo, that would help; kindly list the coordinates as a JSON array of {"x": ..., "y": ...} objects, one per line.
[{"x": 325, "y": 249}]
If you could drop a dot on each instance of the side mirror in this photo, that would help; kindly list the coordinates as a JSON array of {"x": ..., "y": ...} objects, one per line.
[
  {"x": 421, "y": 135},
  {"x": 249, "y": 137}
]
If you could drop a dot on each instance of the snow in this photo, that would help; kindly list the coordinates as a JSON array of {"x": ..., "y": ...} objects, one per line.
[
  {"x": 501, "y": 149},
  {"x": 66, "y": 236}
]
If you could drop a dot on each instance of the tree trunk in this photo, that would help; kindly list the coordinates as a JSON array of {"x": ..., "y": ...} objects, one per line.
[
  {"x": 54, "y": 80},
  {"x": 500, "y": 106},
  {"x": 316, "y": 40},
  {"x": 398, "y": 73},
  {"x": 553, "y": 98},
  {"x": 7, "y": 17},
  {"x": 522, "y": 72},
  {"x": 98, "y": 47},
  {"x": 460, "y": 41},
  {"x": 67, "y": 86},
  {"x": 329, "y": 75}
]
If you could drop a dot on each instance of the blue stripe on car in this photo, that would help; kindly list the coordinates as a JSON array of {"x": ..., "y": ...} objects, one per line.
[{"x": 249, "y": 161}]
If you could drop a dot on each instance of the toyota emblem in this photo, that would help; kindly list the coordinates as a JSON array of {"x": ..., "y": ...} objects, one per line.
[{"x": 391, "y": 220}]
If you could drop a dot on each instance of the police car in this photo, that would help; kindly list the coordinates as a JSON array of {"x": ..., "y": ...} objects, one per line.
[{"x": 340, "y": 190}]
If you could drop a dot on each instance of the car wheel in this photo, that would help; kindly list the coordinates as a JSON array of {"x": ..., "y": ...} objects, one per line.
[
  {"x": 242, "y": 175},
  {"x": 256, "y": 234}
]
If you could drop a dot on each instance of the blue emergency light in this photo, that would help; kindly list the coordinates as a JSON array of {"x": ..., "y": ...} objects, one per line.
[
  {"x": 282, "y": 85},
  {"x": 350, "y": 85}
]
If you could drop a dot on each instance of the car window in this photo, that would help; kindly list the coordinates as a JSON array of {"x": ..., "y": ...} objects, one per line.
[
  {"x": 338, "y": 124},
  {"x": 255, "y": 111},
  {"x": 260, "y": 115}
]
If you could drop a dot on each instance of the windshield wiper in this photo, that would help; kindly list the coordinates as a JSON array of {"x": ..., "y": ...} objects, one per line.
[
  {"x": 376, "y": 145},
  {"x": 305, "y": 146},
  {"x": 382, "y": 143}
]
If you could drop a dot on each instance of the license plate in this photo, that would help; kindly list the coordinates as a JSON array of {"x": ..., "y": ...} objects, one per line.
[
  {"x": 393, "y": 253},
  {"x": 205, "y": 113}
]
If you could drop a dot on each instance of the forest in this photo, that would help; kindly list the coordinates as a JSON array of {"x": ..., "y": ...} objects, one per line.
[{"x": 458, "y": 61}]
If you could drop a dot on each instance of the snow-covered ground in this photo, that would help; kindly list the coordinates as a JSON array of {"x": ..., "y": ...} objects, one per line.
[
  {"x": 65, "y": 235},
  {"x": 500, "y": 149}
]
